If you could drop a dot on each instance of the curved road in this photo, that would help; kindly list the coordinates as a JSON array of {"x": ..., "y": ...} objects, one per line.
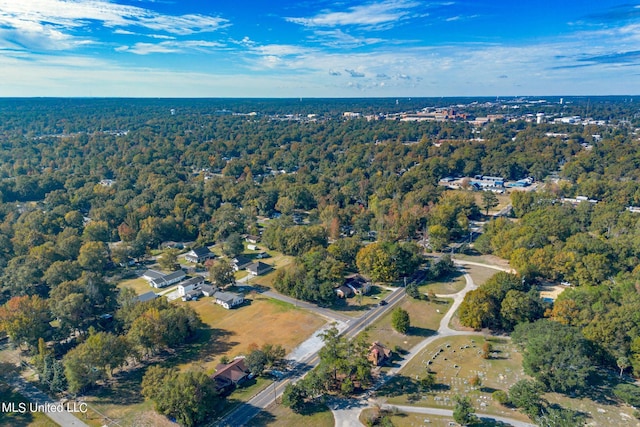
[{"x": 347, "y": 413}]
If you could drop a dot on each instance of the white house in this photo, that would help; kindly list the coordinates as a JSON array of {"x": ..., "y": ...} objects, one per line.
[
  {"x": 199, "y": 255},
  {"x": 189, "y": 285},
  {"x": 168, "y": 279},
  {"x": 258, "y": 268},
  {"x": 228, "y": 299}
]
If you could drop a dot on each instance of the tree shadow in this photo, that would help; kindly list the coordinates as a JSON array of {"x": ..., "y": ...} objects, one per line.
[
  {"x": 264, "y": 418},
  {"x": 206, "y": 345},
  {"x": 421, "y": 332},
  {"x": 122, "y": 389}
]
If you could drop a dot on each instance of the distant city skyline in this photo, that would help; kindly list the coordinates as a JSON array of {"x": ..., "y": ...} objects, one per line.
[{"x": 318, "y": 48}]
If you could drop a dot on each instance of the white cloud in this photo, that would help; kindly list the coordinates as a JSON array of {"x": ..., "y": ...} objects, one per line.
[
  {"x": 170, "y": 47},
  {"x": 374, "y": 15},
  {"x": 339, "y": 39},
  {"x": 63, "y": 24}
]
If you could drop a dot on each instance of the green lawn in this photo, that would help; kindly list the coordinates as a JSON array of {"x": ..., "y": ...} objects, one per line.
[
  {"x": 140, "y": 285},
  {"x": 447, "y": 286}
]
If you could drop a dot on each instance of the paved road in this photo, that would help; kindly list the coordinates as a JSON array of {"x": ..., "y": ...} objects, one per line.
[
  {"x": 479, "y": 264},
  {"x": 449, "y": 413},
  {"x": 35, "y": 396},
  {"x": 247, "y": 411}
]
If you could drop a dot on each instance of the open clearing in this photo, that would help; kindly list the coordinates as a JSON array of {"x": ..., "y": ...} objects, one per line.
[
  {"x": 424, "y": 318},
  {"x": 452, "y": 284},
  {"x": 281, "y": 416},
  {"x": 140, "y": 285},
  {"x": 455, "y": 360},
  {"x": 260, "y": 321},
  {"x": 16, "y": 419}
]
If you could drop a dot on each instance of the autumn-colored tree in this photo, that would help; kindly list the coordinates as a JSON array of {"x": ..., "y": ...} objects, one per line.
[{"x": 25, "y": 319}]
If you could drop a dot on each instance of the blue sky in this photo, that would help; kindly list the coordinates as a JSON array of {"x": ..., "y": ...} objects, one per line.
[{"x": 309, "y": 48}]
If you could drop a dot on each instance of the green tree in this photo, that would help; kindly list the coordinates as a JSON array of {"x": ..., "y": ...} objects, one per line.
[
  {"x": 188, "y": 397},
  {"x": 400, "y": 320},
  {"x": 489, "y": 200},
  {"x": 527, "y": 395},
  {"x": 463, "y": 412},
  {"x": 25, "y": 319},
  {"x": 294, "y": 397},
  {"x": 478, "y": 309},
  {"x": 93, "y": 256},
  {"x": 233, "y": 246},
  {"x": 221, "y": 273},
  {"x": 519, "y": 307},
  {"x": 557, "y": 355},
  {"x": 256, "y": 362},
  {"x": 169, "y": 259}
]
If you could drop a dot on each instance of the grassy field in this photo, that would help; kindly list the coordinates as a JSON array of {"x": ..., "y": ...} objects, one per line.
[
  {"x": 447, "y": 286},
  {"x": 455, "y": 360},
  {"x": 140, "y": 285},
  {"x": 281, "y": 416},
  {"x": 425, "y": 320},
  {"x": 261, "y": 320}
]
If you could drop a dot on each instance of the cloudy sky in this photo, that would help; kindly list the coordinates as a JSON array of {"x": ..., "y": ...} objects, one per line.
[{"x": 318, "y": 48}]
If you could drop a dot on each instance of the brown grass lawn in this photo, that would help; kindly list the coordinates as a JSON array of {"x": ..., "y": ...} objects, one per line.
[
  {"x": 281, "y": 416},
  {"x": 424, "y": 322},
  {"x": 458, "y": 359},
  {"x": 140, "y": 285},
  {"x": 480, "y": 274},
  {"x": 261, "y": 321}
]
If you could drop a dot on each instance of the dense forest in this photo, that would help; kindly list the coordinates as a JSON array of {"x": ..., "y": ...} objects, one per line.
[{"x": 87, "y": 185}]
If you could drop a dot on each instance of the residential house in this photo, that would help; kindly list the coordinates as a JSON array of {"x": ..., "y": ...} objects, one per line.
[
  {"x": 208, "y": 290},
  {"x": 150, "y": 275},
  {"x": 146, "y": 297},
  {"x": 358, "y": 283},
  {"x": 189, "y": 285},
  {"x": 344, "y": 291},
  {"x": 229, "y": 375},
  {"x": 168, "y": 279},
  {"x": 240, "y": 262},
  {"x": 258, "y": 268},
  {"x": 228, "y": 299},
  {"x": 199, "y": 255},
  {"x": 379, "y": 354},
  {"x": 252, "y": 239}
]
